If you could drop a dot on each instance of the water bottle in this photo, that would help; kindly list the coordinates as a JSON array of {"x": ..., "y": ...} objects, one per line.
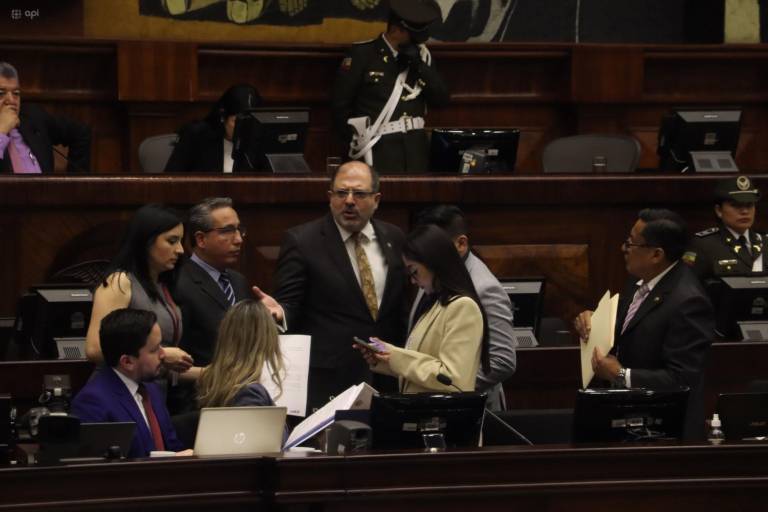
[{"x": 716, "y": 435}]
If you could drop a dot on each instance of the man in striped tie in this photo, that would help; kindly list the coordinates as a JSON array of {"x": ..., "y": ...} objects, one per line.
[
  {"x": 665, "y": 321},
  {"x": 208, "y": 284}
]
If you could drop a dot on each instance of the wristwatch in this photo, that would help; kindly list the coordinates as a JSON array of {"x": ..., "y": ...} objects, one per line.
[{"x": 621, "y": 378}]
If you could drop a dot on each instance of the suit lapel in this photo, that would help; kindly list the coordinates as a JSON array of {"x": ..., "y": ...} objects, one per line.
[
  {"x": 204, "y": 281},
  {"x": 128, "y": 403},
  {"x": 415, "y": 306},
  {"x": 656, "y": 297},
  {"x": 338, "y": 253},
  {"x": 392, "y": 260}
]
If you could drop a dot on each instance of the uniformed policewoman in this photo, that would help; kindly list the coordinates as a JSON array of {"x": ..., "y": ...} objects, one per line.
[{"x": 733, "y": 247}]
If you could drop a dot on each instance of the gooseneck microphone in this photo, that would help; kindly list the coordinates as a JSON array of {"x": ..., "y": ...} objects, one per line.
[{"x": 446, "y": 380}]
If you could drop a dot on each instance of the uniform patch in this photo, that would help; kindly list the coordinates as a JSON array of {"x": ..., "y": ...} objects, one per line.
[
  {"x": 689, "y": 257},
  {"x": 707, "y": 232},
  {"x": 346, "y": 64}
]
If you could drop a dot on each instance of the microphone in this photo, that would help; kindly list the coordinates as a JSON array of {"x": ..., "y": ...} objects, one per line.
[{"x": 446, "y": 380}]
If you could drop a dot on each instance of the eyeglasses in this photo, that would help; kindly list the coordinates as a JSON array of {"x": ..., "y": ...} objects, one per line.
[
  {"x": 229, "y": 231},
  {"x": 357, "y": 195},
  {"x": 628, "y": 243}
]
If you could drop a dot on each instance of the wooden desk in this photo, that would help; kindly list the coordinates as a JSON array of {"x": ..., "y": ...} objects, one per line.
[{"x": 626, "y": 478}]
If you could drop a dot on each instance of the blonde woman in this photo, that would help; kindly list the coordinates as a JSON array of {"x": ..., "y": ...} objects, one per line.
[{"x": 247, "y": 353}]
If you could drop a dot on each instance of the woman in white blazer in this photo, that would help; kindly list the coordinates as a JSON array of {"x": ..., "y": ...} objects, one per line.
[{"x": 451, "y": 336}]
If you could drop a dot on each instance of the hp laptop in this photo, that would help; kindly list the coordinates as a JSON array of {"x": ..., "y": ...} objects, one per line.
[{"x": 240, "y": 430}]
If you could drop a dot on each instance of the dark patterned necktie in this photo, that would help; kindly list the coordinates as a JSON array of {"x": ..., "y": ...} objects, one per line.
[
  {"x": 226, "y": 287},
  {"x": 366, "y": 277}
]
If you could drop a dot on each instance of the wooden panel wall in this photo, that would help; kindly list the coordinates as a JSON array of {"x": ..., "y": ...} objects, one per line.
[
  {"x": 566, "y": 228},
  {"x": 129, "y": 90}
]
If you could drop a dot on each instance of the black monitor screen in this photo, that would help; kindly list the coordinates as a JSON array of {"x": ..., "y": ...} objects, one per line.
[
  {"x": 473, "y": 150},
  {"x": 738, "y": 299},
  {"x": 403, "y": 421},
  {"x": 622, "y": 415},
  {"x": 52, "y": 311},
  {"x": 527, "y": 297},
  {"x": 743, "y": 415},
  {"x": 260, "y": 136},
  {"x": 684, "y": 131}
]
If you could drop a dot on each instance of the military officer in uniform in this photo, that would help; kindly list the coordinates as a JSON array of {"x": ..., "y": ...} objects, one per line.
[
  {"x": 383, "y": 88},
  {"x": 732, "y": 248}
]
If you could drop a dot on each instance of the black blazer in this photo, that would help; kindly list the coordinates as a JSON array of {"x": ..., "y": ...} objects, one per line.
[
  {"x": 203, "y": 305},
  {"x": 317, "y": 287},
  {"x": 41, "y": 131},
  {"x": 200, "y": 149},
  {"x": 666, "y": 344}
]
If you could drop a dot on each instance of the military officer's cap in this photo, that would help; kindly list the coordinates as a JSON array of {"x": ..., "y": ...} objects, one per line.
[
  {"x": 739, "y": 189},
  {"x": 415, "y": 15}
]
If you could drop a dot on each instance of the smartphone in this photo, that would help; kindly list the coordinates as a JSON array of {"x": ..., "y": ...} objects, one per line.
[{"x": 370, "y": 345}]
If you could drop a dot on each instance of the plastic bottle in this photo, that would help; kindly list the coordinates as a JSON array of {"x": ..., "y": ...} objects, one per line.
[{"x": 716, "y": 435}]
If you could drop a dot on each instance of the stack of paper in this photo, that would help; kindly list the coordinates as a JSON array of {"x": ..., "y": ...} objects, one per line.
[
  {"x": 600, "y": 335},
  {"x": 295, "y": 376},
  {"x": 355, "y": 397}
]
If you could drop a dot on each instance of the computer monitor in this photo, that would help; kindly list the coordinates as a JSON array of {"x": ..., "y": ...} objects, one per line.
[
  {"x": 741, "y": 307},
  {"x": 622, "y": 415},
  {"x": 699, "y": 140},
  {"x": 473, "y": 150},
  {"x": 744, "y": 415},
  {"x": 426, "y": 420},
  {"x": 527, "y": 297},
  {"x": 271, "y": 141},
  {"x": 49, "y": 312}
]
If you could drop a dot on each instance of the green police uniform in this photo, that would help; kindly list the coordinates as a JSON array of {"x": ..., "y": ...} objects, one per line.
[
  {"x": 715, "y": 252},
  {"x": 364, "y": 83}
]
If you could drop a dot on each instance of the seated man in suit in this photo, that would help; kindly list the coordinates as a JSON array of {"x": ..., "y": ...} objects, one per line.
[
  {"x": 207, "y": 285},
  {"x": 665, "y": 322},
  {"x": 123, "y": 391},
  {"x": 496, "y": 303},
  {"x": 27, "y": 135}
]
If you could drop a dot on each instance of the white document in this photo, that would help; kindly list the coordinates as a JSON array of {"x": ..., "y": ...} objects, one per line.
[
  {"x": 354, "y": 397},
  {"x": 295, "y": 350},
  {"x": 600, "y": 335}
]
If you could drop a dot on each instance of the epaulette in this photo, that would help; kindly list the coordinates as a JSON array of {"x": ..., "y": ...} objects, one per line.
[{"x": 707, "y": 232}]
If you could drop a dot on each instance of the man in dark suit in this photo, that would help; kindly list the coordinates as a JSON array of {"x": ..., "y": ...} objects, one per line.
[
  {"x": 124, "y": 391},
  {"x": 207, "y": 285},
  {"x": 665, "y": 322},
  {"x": 27, "y": 135},
  {"x": 342, "y": 276}
]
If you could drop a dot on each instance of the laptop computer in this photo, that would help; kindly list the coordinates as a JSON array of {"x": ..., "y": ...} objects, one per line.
[
  {"x": 744, "y": 415},
  {"x": 97, "y": 438},
  {"x": 240, "y": 430}
]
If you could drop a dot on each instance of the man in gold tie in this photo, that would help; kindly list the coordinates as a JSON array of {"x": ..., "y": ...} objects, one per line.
[{"x": 342, "y": 276}]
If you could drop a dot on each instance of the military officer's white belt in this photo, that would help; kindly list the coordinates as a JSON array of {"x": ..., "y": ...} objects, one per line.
[{"x": 402, "y": 125}]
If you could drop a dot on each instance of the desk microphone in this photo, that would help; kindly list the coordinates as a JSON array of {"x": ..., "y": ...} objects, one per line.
[{"x": 446, "y": 380}]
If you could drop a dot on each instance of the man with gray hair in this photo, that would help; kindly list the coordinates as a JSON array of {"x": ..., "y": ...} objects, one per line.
[
  {"x": 27, "y": 136},
  {"x": 207, "y": 286}
]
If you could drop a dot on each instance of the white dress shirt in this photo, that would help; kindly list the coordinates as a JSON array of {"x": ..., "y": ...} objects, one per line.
[
  {"x": 374, "y": 253},
  {"x": 133, "y": 389}
]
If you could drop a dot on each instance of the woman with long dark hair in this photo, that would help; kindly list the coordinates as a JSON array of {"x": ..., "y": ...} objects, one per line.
[
  {"x": 451, "y": 337},
  {"x": 140, "y": 277},
  {"x": 206, "y": 146}
]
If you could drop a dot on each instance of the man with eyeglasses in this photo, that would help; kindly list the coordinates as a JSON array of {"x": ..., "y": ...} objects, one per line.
[
  {"x": 207, "y": 284},
  {"x": 342, "y": 276},
  {"x": 27, "y": 135},
  {"x": 665, "y": 321}
]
